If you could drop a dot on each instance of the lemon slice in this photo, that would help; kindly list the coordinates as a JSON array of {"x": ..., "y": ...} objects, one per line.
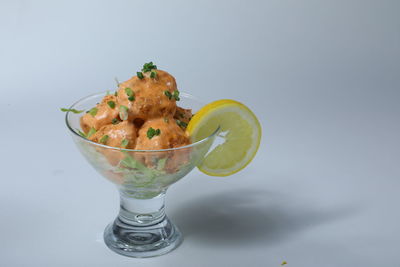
[{"x": 240, "y": 130}]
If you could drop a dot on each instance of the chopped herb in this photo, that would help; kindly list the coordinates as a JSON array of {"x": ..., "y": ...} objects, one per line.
[
  {"x": 81, "y": 133},
  {"x": 104, "y": 139},
  {"x": 283, "y": 263},
  {"x": 116, "y": 93},
  {"x": 123, "y": 113},
  {"x": 71, "y": 110},
  {"x": 130, "y": 94},
  {"x": 93, "y": 111},
  {"x": 124, "y": 143},
  {"x": 166, "y": 119},
  {"x": 115, "y": 121},
  {"x": 148, "y": 67},
  {"x": 111, "y": 104},
  {"x": 168, "y": 94},
  {"x": 128, "y": 91},
  {"x": 152, "y": 132},
  {"x": 91, "y": 132},
  {"x": 181, "y": 123},
  {"x": 153, "y": 74},
  {"x": 140, "y": 75},
  {"x": 176, "y": 95}
]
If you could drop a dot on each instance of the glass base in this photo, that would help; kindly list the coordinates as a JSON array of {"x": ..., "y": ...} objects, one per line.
[{"x": 142, "y": 241}]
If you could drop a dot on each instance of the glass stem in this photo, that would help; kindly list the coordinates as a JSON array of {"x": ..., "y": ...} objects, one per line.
[
  {"x": 141, "y": 212},
  {"x": 141, "y": 228}
]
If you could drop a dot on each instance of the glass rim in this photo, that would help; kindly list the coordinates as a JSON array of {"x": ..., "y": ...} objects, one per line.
[{"x": 182, "y": 94}]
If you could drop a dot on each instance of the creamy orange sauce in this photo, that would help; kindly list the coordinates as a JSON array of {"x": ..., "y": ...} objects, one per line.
[
  {"x": 171, "y": 135},
  {"x": 116, "y": 134},
  {"x": 183, "y": 115},
  {"x": 150, "y": 99},
  {"x": 104, "y": 116},
  {"x": 150, "y": 107}
]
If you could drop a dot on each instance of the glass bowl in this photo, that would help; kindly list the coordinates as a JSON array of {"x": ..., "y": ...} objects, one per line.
[{"x": 142, "y": 177}]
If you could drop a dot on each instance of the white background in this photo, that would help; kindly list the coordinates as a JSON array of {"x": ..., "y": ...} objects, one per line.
[{"x": 322, "y": 76}]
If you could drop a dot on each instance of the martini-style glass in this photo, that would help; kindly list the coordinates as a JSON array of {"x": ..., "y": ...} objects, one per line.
[{"x": 142, "y": 177}]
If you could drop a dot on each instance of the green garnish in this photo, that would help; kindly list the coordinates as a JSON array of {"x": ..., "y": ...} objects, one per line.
[
  {"x": 123, "y": 113},
  {"x": 104, "y": 139},
  {"x": 116, "y": 93},
  {"x": 91, "y": 132},
  {"x": 283, "y": 263},
  {"x": 181, "y": 123},
  {"x": 153, "y": 74},
  {"x": 176, "y": 95},
  {"x": 168, "y": 94},
  {"x": 148, "y": 67},
  {"x": 152, "y": 132},
  {"x": 93, "y": 111},
  {"x": 130, "y": 94},
  {"x": 128, "y": 91},
  {"x": 140, "y": 75},
  {"x": 81, "y": 133},
  {"x": 111, "y": 104},
  {"x": 115, "y": 121},
  {"x": 71, "y": 110},
  {"x": 124, "y": 143},
  {"x": 129, "y": 163}
]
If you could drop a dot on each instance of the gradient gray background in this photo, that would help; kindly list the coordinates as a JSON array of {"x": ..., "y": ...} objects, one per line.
[{"x": 322, "y": 76}]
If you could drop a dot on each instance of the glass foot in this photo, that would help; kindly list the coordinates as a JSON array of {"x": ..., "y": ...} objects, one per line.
[{"x": 142, "y": 241}]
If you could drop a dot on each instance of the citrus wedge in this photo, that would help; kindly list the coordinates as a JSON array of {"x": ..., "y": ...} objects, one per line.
[{"x": 240, "y": 131}]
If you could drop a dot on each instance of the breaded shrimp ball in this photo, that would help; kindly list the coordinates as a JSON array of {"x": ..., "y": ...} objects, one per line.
[
  {"x": 101, "y": 115},
  {"x": 115, "y": 134},
  {"x": 122, "y": 135},
  {"x": 150, "y": 96},
  {"x": 161, "y": 133}
]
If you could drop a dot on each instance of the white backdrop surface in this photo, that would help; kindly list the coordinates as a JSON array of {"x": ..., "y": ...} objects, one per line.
[{"x": 322, "y": 76}]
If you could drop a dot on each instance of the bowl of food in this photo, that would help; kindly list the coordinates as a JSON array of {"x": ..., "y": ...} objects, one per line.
[{"x": 143, "y": 138}]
